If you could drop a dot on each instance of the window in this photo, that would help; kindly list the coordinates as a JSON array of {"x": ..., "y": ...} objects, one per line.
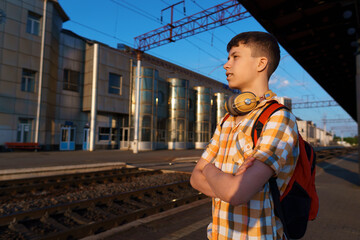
[
  {"x": 71, "y": 80},
  {"x": 33, "y": 24},
  {"x": 107, "y": 134},
  {"x": 104, "y": 133},
  {"x": 28, "y": 81},
  {"x": 115, "y": 82}
]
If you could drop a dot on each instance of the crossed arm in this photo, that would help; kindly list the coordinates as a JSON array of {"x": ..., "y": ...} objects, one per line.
[{"x": 235, "y": 189}]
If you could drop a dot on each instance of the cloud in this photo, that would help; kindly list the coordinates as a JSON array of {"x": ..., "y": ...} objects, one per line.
[
  {"x": 283, "y": 83},
  {"x": 301, "y": 84},
  {"x": 273, "y": 81},
  {"x": 278, "y": 82}
]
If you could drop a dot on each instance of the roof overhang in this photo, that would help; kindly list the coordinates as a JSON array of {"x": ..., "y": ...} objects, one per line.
[{"x": 322, "y": 36}]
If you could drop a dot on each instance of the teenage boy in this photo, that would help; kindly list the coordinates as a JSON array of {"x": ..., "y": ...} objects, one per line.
[{"x": 234, "y": 172}]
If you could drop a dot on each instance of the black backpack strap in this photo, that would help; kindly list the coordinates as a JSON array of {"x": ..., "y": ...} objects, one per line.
[
  {"x": 275, "y": 193},
  {"x": 255, "y": 135}
]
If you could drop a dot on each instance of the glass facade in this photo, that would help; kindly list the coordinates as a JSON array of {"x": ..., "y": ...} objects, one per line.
[
  {"x": 172, "y": 115},
  {"x": 220, "y": 111},
  {"x": 148, "y": 91},
  {"x": 203, "y": 116},
  {"x": 153, "y": 109},
  {"x": 162, "y": 112},
  {"x": 178, "y": 112},
  {"x": 191, "y": 118}
]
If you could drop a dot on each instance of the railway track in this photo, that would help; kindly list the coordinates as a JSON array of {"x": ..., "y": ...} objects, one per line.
[
  {"x": 22, "y": 188},
  {"x": 325, "y": 154},
  {"x": 73, "y": 206},
  {"x": 78, "y": 219}
]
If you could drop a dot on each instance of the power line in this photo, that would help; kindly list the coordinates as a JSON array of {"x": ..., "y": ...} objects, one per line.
[
  {"x": 339, "y": 120},
  {"x": 157, "y": 20},
  {"x": 154, "y": 54},
  {"x": 136, "y": 11},
  {"x": 141, "y": 10},
  {"x": 316, "y": 104},
  {"x": 214, "y": 57},
  {"x": 196, "y": 36},
  {"x": 204, "y": 10},
  {"x": 297, "y": 81},
  {"x": 208, "y": 32},
  {"x": 101, "y": 32}
]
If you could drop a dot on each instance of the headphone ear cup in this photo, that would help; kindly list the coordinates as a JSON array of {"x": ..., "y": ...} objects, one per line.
[
  {"x": 245, "y": 102},
  {"x": 229, "y": 106},
  {"x": 240, "y": 104}
]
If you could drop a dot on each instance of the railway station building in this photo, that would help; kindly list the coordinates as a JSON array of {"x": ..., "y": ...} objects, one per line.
[
  {"x": 55, "y": 76},
  {"x": 53, "y": 82}
]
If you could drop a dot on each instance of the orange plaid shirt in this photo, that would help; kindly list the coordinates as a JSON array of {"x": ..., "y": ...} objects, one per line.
[{"x": 277, "y": 147}]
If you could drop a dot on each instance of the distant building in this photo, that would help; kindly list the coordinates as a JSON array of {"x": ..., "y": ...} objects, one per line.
[
  {"x": 315, "y": 136},
  {"x": 286, "y": 102},
  {"x": 308, "y": 130}
]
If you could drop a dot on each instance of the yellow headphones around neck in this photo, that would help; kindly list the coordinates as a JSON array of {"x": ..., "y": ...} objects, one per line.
[{"x": 243, "y": 103}]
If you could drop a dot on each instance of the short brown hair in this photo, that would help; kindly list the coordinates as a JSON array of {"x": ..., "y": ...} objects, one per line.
[{"x": 261, "y": 44}]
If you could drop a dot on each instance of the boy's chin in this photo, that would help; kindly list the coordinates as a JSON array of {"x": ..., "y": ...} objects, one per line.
[{"x": 233, "y": 86}]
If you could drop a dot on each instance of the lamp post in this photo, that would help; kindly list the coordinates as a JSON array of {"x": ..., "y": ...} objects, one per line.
[
  {"x": 41, "y": 71},
  {"x": 137, "y": 103}
]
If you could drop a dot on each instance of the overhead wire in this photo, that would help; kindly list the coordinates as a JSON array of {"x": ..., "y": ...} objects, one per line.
[
  {"x": 124, "y": 41},
  {"x": 101, "y": 32},
  {"x": 157, "y": 20},
  {"x": 205, "y": 9},
  {"x": 195, "y": 45},
  {"x": 140, "y": 12},
  {"x": 300, "y": 84}
]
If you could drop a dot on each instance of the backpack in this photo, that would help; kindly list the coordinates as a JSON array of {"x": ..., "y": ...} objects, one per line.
[{"x": 299, "y": 202}]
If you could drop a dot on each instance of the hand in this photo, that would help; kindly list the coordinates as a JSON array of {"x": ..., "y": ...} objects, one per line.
[{"x": 246, "y": 164}]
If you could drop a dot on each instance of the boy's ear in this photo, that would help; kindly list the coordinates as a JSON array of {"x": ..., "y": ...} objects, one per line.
[{"x": 262, "y": 64}]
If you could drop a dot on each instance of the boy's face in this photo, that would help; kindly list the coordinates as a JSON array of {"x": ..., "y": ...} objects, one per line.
[{"x": 241, "y": 68}]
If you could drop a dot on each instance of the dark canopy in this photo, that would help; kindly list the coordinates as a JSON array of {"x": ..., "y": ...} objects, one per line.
[{"x": 321, "y": 36}]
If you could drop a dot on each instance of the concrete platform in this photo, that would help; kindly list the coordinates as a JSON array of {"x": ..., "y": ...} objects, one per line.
[{"x": 161, "y": 159}]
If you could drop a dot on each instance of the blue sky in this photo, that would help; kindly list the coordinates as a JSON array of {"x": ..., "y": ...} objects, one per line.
[{"x": 119, "y": 21}]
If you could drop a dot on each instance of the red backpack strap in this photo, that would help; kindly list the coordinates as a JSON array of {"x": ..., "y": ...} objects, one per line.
[
  {"x": 224, "y": 119},
  {"x": 262, "y": 119}
]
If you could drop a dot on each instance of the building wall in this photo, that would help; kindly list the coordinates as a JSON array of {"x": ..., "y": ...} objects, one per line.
[
  {"x": 69, "y": 102},
  {"x": 65, "y": 54},
  {"x": 20, "y": 51}
]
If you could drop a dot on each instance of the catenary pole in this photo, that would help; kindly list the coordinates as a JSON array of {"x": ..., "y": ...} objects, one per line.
[{"x": 41, "y": 70}]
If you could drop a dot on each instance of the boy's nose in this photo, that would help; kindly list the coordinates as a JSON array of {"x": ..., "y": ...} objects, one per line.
[{"x": 226, "y": 65}]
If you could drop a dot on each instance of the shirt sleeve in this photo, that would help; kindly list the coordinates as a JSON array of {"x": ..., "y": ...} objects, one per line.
[
  {"x": 278, "y": 143},
  {"x": 213, "y": 147}
]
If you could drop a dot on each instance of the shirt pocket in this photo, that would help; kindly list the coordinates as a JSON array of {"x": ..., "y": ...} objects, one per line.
[{"x": 244, "y": 146}]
